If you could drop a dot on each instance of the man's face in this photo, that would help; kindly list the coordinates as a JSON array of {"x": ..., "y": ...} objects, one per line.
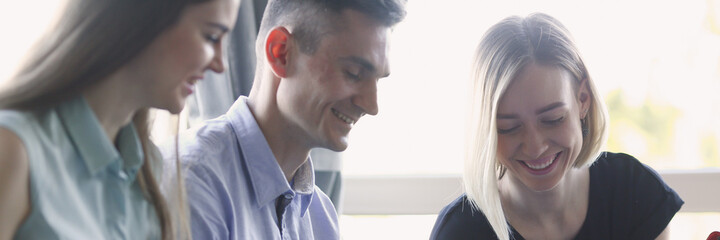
[{"x": 327, "y": 92}]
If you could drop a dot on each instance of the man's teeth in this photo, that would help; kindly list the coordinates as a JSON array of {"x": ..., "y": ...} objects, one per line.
[
  {"x": 541, "y": 166},
  {"x": 343, "y": 117}
]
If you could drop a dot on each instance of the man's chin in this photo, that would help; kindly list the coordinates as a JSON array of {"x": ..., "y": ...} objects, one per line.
[{"x": 338, "y": 145}]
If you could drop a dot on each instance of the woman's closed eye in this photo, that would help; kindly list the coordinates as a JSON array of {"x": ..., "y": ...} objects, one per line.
[
  {"x": 554, "y": 121},
  {"x": 508, "y": 130},
  {"x": 213, "y": 38}
]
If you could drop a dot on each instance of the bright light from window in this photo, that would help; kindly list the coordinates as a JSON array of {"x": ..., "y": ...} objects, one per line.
[
  {"x": 656, "y": 64},
  {"x": 22, "y": 23}
]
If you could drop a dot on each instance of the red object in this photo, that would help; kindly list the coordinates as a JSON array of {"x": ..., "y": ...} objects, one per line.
[{"x": 714, "y": 236}]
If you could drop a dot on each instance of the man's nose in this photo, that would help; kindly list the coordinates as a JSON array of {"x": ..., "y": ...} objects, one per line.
[{"x": 366, "y": 98}]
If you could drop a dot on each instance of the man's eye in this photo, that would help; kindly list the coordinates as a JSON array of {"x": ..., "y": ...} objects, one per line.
[{"x": 353, "y": 76}]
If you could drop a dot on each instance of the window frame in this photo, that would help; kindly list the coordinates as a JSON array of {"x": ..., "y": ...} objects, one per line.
[{"x": 428, "y": 194}]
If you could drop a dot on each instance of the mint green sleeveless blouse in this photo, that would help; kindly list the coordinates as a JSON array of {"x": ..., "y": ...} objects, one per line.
[{"x": 81, "y": 186}]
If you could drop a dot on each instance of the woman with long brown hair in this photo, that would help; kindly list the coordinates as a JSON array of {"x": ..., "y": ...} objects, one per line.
[{"x": 76, "y": 161}]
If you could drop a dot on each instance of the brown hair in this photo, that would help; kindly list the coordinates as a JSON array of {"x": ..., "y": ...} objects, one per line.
[{"x": 91, "y": 40}]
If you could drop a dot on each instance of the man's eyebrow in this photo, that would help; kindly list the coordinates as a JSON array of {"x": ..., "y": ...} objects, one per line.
[
  {"x": 364, "y": 63},
  {"x": 222, "y": 27},
  {"x": 360, "y": 61}
]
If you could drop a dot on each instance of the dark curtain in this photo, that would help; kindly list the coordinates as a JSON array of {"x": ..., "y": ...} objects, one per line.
[
  {"x": 214, "y": 95},
  {"x": 241, "y": 50}
]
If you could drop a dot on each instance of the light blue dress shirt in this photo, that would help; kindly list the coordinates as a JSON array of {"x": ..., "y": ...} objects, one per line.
[
  {"x": 81, "y": 187},
  {"x": 233, "y": 184}
]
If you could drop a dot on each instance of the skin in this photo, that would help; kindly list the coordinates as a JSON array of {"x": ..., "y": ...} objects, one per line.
[
  {"x": 160, "y": 77},
  {"x": 163, "y": 75},
  {"x": 14, "y": 179},
  {"x": 297, "y": 98},
  {"x": 538, "y": 120}
]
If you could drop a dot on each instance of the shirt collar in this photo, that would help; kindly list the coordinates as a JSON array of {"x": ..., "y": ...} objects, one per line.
[
  {"x": 304, "y": 184},
  {"x": 92, "y": 144},
  {"x": 266, "y": 177}
]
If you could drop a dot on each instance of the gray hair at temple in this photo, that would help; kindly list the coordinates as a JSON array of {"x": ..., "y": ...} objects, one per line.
[{"x": 311, "y": 20}]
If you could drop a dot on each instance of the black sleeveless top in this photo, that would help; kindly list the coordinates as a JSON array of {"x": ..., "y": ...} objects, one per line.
[{"x": 628, "y": 200}]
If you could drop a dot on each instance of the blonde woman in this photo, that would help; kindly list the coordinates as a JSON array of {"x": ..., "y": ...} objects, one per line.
[
  {"x": 534, "y": 168},
  {"x": 77, "y": 162}
]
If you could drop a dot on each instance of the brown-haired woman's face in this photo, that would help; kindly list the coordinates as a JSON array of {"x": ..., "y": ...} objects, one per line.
[
  {"x": 170, "y": 66},
  {"x": 538, "y": 124}
]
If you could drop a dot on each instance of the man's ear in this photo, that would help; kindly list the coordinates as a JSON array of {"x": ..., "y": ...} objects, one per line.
[
  {"x": 584, "y": 98},
  {"x": 277, "y": 46}
]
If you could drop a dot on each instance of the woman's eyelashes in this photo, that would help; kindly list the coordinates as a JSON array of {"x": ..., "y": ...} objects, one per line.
[
  {"x": 554, "y": 121},
  {"x": 213, "y": 38},
  {"x": 549, "y": 122},
  {"x": 507, "y": 130}
]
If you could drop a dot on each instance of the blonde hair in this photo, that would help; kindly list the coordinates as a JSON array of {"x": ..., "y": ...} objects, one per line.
[
  {"x": 91, "y": 40},
  {"x": 505, "y": 49}
]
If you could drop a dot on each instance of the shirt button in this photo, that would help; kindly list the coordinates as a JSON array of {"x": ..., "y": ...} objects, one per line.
[
  {"x": 288, "y": 196},
  {"x": 122, "y": 175}
]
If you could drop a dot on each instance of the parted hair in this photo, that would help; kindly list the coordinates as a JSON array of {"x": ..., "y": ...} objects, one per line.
[{"x": 505, "y": 49}]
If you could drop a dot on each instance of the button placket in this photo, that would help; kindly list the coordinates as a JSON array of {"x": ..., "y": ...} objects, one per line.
[
  {"x": 281, "y": 206},
  {"x": 121, "y": 174},
  {"x": 117, "y": 184}
]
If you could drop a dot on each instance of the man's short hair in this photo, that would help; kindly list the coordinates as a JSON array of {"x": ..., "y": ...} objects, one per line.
[{"x": 310, "y": 20}]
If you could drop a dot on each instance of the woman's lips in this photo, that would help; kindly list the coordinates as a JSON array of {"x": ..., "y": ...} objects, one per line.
[{"x": 543, "y": 165}]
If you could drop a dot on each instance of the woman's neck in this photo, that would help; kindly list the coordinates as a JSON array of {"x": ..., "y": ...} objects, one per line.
[
  {"x": 565, "y": 204},
  {"x": 113, "y": 102}
]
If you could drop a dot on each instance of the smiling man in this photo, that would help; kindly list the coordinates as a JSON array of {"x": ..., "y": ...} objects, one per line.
[{"x": 248, "y": 173}]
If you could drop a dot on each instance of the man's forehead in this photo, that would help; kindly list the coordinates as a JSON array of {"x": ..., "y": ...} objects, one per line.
[{"x": 360, "y": 40}]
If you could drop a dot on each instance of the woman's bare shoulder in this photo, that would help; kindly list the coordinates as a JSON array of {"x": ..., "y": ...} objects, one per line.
[{"x": 14, "y": 183}]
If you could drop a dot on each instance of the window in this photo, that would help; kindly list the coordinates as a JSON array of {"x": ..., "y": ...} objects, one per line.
[
  {"x": 656, "y": 64},
  {"x": 22, "y": 24}
]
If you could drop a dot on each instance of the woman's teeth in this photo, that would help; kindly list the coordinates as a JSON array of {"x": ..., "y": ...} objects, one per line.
[{"x": 540, "y": 166}]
